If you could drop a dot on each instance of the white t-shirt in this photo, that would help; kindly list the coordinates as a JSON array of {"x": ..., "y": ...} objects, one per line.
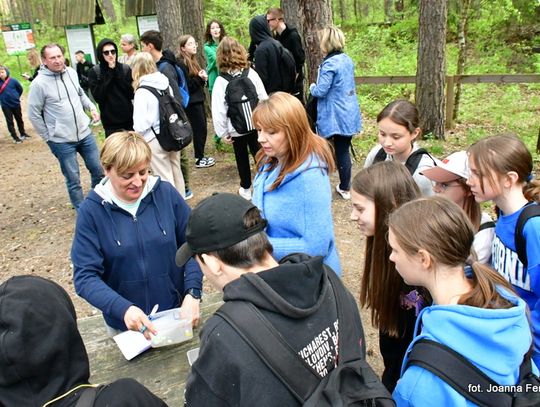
[{"x": 483, "y": 240}]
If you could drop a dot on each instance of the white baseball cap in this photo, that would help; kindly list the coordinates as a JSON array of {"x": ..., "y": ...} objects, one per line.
[{"x": 453, "y": 167}]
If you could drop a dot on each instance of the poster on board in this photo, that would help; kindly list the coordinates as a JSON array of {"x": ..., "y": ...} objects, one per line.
[
  {"x": 18, "y": 38},
  {"x": 146, "y": 23},
  {"x": 80, "y": 37}
]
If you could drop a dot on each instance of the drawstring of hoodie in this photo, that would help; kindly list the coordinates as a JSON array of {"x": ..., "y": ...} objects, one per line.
[
  {"x": 116, "y": 236},
  {"x": 158, "y": 214}
]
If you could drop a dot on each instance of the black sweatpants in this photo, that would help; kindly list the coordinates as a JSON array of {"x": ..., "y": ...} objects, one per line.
[
  {"x": 241, "y": 153},
  {"x": 197, "y": 117},
  {"x": 9, "y": 114}
]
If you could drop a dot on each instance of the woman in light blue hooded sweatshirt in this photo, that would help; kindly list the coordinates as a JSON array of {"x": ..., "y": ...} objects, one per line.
[{"x": 476, "y": 314}]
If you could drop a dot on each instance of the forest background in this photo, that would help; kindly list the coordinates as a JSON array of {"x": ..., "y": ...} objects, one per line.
[{"x": 382, "y": 39}]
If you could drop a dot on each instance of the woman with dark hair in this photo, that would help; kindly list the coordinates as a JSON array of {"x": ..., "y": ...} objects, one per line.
[
  {"x": 292, "y": 186},
  {"x": 213, "y": 36}
]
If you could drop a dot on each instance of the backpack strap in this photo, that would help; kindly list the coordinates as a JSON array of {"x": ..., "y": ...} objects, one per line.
[
  {"x": 457, "y": 372},
  {"x": 414, "y": 159},
  {"x": 255, "y": 329},
  {"x": 380, "y": 156},
  {"x": 530, "y": 211},
  {"x": 87, "y": 397},
  {"x": 157, "y": 94},
  {"x": 486, "y": 225}
]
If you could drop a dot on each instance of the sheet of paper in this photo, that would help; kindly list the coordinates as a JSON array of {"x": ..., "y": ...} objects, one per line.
[{"x": 131, "y": 343}]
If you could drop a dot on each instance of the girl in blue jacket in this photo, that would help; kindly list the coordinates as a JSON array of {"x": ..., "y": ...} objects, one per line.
[
  {"x": 501, "y": 171},
  {"x": 394, "y": 305},
  {"x": 10, "y": 100},
  {"x": 338, "y": 112},
  {"x": 477, "y": 315}
]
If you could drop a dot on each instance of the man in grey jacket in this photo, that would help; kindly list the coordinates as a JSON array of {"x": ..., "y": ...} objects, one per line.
[{"x": 56, "y": 105}]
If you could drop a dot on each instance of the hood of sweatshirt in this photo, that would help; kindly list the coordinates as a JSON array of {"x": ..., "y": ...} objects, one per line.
[
  {"x": 273, "y": 291},
  {"x": 168, "y": 56},
  {"x": 155, "y": 80},
  {"x": 99, "y": 51},
  {"x": 42, "y": 354},
  {"x": 487, "y": 337},
  {"x": 259, "y": 30}
]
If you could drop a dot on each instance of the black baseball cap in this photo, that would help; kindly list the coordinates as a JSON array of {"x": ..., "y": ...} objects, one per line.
[{"x": 216, "y": 223}]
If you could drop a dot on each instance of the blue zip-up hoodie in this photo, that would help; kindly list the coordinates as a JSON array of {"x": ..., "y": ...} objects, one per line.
[
  {"x": 11, "y": 95},
  {"x": 120, "y": 260},
  {"x": 299, "y": 211},
  {"x": 495, "y": 340},
  {"x": 338, "y": 111},
  {"x": 505, "y": 260}
]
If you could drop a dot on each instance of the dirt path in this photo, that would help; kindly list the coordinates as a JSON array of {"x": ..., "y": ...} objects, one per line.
[{"x": 36, "y": 219}]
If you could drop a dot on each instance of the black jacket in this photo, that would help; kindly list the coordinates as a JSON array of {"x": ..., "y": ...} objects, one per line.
[
  {"x": 267, "y": 55},
  {"x": 298, "y": 300},
  {"x": 291, "y": 40},
  {"x": 42, "y": 355},
  {"x": 112, "y": 89},
  {"x": 166, "y": 66},
  {"x": 195, "y": 84},
  {"x": 82, "y": 73}
]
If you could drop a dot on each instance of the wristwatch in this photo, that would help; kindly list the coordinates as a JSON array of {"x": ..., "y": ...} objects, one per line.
[{"x": 195, "y": 293}]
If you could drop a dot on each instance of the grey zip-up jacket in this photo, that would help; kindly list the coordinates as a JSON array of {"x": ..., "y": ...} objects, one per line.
[{"x": 56, "y": 105}]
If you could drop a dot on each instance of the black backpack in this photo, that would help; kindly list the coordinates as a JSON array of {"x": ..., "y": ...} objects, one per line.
[
  {"x": 175, "y": 132},
  {"x": 287, "y": 68},
  {"x": 241, "y": 98},
  {"x": 412, "y": 161},
  {"x": 351, "y": 383},
  {"x": 530, "y": 211},
  {"x": 471, "y": 382}
]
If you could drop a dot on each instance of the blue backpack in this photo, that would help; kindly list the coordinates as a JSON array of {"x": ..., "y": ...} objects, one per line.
[{"x": 182, "y": 83}]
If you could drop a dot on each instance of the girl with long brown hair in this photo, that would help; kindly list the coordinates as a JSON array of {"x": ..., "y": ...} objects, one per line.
[
  {"x": 196, "y": 78},
  {"x": 292, "y": 186},
  {"x": 476, "y": 314},
  {"x": 501, "y": 170},
  {"x": 376, "y": 191}
]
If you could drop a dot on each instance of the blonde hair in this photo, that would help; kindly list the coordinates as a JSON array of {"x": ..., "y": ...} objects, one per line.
[
  {"x": 231, "y": 55},
  {"x": 332, "y": 39},
  {"x": 124, "y": 150},
  {"x": 283, "y": 112},
  {"x": 142, "y": 64},
  {"x": 440, "y": 227},
  {"x": 33, "y": 58},
  {"x": 389, "y": 185},
  {"x": 501, "y": 154}
]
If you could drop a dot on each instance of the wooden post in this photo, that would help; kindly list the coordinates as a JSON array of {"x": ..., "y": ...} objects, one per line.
[{"x": 449, "y": 102}]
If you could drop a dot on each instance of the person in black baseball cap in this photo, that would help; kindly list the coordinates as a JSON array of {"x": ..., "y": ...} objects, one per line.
[{"x": 226, "y": 236}]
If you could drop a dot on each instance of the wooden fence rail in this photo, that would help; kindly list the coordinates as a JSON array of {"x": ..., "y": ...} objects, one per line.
[{"x": 451, "y": 81}]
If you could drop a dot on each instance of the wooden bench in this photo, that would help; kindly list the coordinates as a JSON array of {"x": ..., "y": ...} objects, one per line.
[{"x": 162, "y": 370}]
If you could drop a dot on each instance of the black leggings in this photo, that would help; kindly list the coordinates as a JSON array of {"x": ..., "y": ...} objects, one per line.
[
  {"x": 241, "y": 153},
  {"x": 197, "y": 117}
]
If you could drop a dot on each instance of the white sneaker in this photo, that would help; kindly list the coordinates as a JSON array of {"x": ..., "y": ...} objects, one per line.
[
  {"x": 245, "y": 193},
  {"x": 344, "y": 194}
]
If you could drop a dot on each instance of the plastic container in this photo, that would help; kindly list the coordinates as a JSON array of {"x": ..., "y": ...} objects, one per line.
[{"x": 171, "y": 329}]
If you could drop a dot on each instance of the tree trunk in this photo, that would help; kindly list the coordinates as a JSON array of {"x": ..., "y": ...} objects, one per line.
[
  {"x": 430, "y": 71},
  {"x": 389, "y": 10},
  {"x": 291, "y": 9},
  {"x": 315, "y": 15},
  {"x": 343, "y": 10},
  {"x": 169, "y": 15},
  {"x": 192, "y": 21},
  {"x": 462, "y": 55}
]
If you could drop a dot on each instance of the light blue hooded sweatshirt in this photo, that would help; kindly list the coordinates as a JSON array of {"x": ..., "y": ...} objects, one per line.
[
  {"x": 494, "y": 340},
  {"x": 299, "y": 211}
]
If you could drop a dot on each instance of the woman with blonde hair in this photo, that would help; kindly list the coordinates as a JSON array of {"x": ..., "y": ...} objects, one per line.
[
  {"x": 292, "y": 186},
  {"x": 338, "y": 112},
  {"x": 35, "y": 62},
  {"x": 233, "y": 64},
  {"x": 146, "y": 119},
  {"x": 476, "y": 315},
  {"x": 126, "y": 237}
]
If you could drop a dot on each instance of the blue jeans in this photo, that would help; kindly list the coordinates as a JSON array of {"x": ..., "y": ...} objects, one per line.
[
  {"x": 66, "y": 153},
  {"x": 342, "y": 147}
]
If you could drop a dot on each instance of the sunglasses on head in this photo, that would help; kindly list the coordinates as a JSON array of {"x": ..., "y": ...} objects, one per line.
[{"x": 109, "y": 52}]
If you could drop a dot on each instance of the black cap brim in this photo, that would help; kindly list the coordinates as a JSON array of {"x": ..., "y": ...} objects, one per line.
[{"x": 183, "y": 255}]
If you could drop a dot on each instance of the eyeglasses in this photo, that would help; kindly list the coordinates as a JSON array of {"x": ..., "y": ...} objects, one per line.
[
  {"x": 270, "y": 19},
  {"x": 444, "y": 185},
  {"x": 109, "y": 52}
]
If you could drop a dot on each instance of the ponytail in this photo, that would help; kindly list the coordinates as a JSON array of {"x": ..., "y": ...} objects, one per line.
[{"x": 484, "y": 293}]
